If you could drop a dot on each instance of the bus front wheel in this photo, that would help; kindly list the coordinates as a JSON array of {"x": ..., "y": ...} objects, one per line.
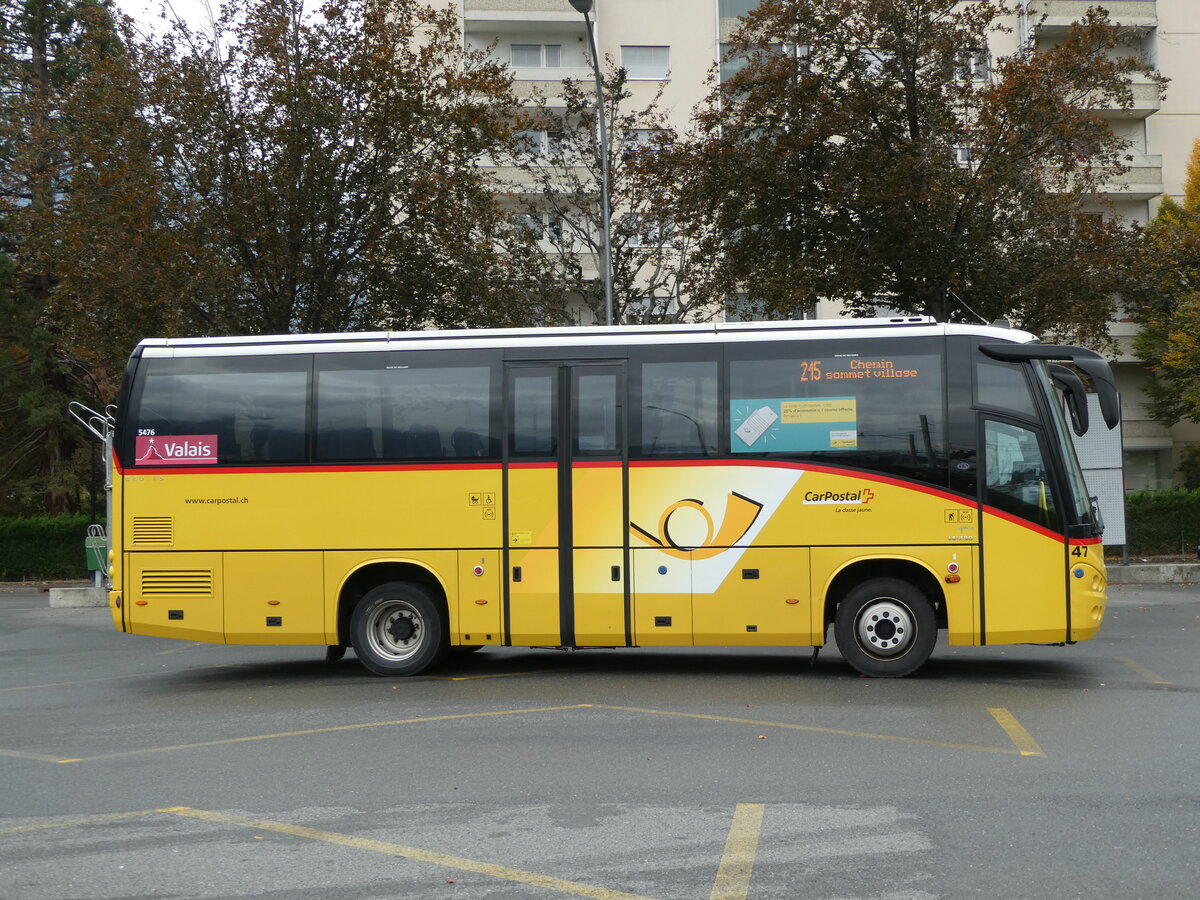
[
  {"x": 885, "y": 628},
  {"x": 398, "y": 629}
]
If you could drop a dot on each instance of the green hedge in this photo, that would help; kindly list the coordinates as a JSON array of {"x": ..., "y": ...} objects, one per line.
[
  {"x": 43, "y": 548},
  {"x": 1162, "y": 522}
]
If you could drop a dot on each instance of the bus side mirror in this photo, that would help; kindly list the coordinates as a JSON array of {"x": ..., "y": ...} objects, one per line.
[{"x": 1076, "y": 396}]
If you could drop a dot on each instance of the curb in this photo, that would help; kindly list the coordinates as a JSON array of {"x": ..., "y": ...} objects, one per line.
[
  {"x": 1153, "y": 573},
  {"x": 77, "y": 597}
]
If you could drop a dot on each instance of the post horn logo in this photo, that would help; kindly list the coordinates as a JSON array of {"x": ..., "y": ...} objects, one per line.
[{"x": 740, "y": 513}]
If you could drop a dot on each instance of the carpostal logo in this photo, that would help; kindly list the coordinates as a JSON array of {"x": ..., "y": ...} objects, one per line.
[
  {"x": 176, "y": 450},
  {"x": 833, "y": 497},
  {"x": 740, "y": 514}
]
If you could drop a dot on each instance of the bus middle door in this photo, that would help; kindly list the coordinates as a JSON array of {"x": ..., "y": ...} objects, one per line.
[{"x": 566, "y": 501}]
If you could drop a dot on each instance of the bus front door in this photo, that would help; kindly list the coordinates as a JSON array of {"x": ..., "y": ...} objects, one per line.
[
  {"x": 566, "y": 502},
  {"x": 1025, "y": 591}
]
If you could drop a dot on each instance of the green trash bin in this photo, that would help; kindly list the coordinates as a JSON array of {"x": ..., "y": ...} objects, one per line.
[{"x": 95, "y": 548}]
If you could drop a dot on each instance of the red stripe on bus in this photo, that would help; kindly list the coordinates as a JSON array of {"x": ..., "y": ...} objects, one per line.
[{"x": 1025, "y": 523}]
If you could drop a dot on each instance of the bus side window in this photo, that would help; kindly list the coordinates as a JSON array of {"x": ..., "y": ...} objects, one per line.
[
  {"x": 534, "y": 419},
  {"x": 401, "y": 406},
  {"x": 1003, "y": 385},
  {"x": 254, "y": 407},
  {"x": 349, "y": 409},
  {"x": 679, "y": 408},
  {"x": 1017, "y": 481}
]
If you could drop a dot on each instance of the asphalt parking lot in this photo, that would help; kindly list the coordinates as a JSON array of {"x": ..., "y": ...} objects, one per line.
[{"x": 142, "y": 767}]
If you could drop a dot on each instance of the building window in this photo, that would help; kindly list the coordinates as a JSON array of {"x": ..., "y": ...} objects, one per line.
[
  {"x": 740, "y": 308},
  {"x": 535, "y": 142},
  {"x": 731, "y": 63},
  {"x": 649, "y": 232},
  {"x": 544, "y": 226},
  {"x": 531, "y": 141},
  {"x": 1147, "y": 470},
  {"x": 874, "y": 61},
  {"x": 637, "y": 139},
  {"x": 974, "y": 65},
  {"x": 733, "y": 9},
  {"x": 646, "y": 62},
  {"x": 537, "y": 56}
]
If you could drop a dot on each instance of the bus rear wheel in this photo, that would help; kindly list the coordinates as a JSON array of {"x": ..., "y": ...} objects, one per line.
[
  {"x": 885, "y": 628},
  {"x": 398, "y": 629}
]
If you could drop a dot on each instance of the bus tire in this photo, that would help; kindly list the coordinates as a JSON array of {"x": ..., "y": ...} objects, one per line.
[
  {"x": 885, "y": 628},
  {"x": 398, "y": 628}
]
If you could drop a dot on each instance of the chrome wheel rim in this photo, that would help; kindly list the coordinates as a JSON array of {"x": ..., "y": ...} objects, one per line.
[
  {"x": 395, "y": 630},
  {"x": 886, "y": 627}
]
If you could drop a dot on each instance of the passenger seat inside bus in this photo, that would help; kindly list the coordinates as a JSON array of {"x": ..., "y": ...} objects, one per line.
[
  {"x": 466, "y": 442},
  {"x": 424, "y": 442}
]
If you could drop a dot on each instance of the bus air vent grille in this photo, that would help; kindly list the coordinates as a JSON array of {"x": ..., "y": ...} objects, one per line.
[
  {"x": 157, "y": 530},
  {"x": 173, "y": 582}
]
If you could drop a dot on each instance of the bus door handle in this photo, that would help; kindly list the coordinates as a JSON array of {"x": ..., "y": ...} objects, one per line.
[
  {"x": 516, "y": 573},
  {"x": 616, "y": 573}
]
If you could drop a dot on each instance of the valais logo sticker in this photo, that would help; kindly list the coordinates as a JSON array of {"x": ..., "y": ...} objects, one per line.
[{"x": 176, "y": 450}]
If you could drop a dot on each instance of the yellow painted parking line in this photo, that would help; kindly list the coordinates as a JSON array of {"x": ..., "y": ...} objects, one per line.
[
  {"x": 20, "y": 754},
  {"x": 1025, "y": 745},
  {"x": 54, "y": 684},
  {"x": 88, "y": 820},
  {"x": 812, "y": 728},
  {"x": 327, "y": 730},
  {"x": 1142, "y": 670},
  {"x": 103, "y": 678},
  {"x": 458, "y": 863},
  {"x": 195, "y": 646},
  {"x": 1022, "y": 738},
  {"x": 737, "y": 862}
]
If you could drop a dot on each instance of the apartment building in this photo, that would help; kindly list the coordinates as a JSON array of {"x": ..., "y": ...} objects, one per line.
[
  {"x": 1160, "y": 136},
  {"x": 673, "y": 44}
]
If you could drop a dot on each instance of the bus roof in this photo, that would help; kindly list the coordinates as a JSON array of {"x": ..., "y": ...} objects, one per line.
[
  {"x": 576, "y": 336},
  {"x": 570, "y": 336}
]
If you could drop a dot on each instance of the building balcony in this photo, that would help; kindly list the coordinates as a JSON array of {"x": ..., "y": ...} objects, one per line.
[
  {"x": 1062, "y": 14},
  {"x": 548, "y": 81},
  {"x": 528, "y": 22},
  {"x": 520, "y": 11},
  {"x": 1142, "y": 181},
  {"x": 1146, "y": 101}
]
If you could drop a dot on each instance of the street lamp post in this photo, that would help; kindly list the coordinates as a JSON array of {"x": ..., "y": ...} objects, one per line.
[{"x": 585, "y": 7}]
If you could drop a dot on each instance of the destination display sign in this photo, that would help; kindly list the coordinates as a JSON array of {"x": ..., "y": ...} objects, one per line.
[{"x": 813, "y": 423}]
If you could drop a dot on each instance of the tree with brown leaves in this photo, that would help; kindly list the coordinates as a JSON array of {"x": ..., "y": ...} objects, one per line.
[{"x": 872, "y": 152}]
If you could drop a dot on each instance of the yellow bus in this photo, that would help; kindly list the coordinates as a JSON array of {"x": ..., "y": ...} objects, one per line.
[{"x": 745, "y": 484}]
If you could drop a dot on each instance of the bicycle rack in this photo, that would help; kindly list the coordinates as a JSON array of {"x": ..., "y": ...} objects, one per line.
[{"x": 102, "y": 427}]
